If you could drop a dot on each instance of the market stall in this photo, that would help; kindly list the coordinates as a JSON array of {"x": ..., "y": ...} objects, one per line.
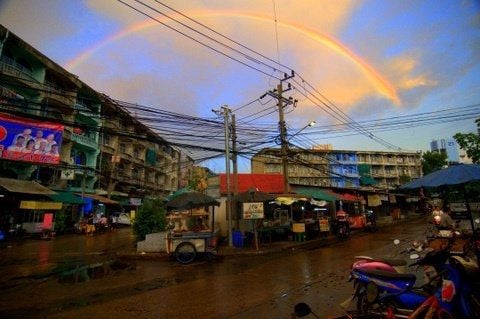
[{"x": 192, "y": 219}]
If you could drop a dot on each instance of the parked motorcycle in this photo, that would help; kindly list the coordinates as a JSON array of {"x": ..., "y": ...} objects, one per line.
[
  {"x": 371, "y": 220},
  {"x": 381, "y": 292},
  {"x": 386, "y": 264}
]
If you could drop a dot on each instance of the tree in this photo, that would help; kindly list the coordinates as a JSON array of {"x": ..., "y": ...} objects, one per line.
[
  {"x": 150, "y": 218},
  {"x": 404, "y": 179},
  {"x": 433, "y": 161},
  {"x": 470, "y": 143}
]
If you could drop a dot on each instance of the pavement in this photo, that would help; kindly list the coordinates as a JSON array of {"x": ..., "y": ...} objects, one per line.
[
  {"x": 382, "y": 223},
  {"x": 224, "y": 249}
]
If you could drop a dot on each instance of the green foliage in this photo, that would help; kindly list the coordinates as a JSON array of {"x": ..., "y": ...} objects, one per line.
[
  {"x": 470, "y": 143},
  {"x": 433, "y": 161},
  {"x": 150, "y": 218},
  {"x": 404, "y": 179},
  {"x": 60, "y": 219}
]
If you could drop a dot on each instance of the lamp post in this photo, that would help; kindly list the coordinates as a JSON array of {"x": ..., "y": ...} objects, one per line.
[
  {"x": 312, "y": 123},
  {"x": 285, "y": 153}
]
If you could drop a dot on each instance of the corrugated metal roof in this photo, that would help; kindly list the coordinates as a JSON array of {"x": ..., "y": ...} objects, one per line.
[
  {"x": 25, "y": 187},
  {"x": 268, "y": 183}
]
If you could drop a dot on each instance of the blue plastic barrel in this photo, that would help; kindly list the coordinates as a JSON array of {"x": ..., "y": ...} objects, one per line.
[{"x": 237, "y": 238}]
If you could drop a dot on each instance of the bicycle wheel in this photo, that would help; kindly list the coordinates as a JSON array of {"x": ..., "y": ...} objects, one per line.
[{"x": 185, "y": 253}]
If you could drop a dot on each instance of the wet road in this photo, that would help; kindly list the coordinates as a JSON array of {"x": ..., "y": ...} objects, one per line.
[{"x": 263, "y": 286}]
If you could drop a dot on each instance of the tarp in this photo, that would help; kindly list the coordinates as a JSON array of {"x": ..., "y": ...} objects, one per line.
[
  {"x": 67, "y": 198},
  {"x": 189, "y": 200},
  {"x": 287, "y": 200},
  {"x": 26, "y": 187},
  {"x": 316, "y": 193},
  {"x": 452, "y": 175},
  {"x": 101, "y": 199}
]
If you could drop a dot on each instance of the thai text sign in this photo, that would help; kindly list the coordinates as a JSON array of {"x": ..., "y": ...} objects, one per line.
[
  {"x": 298, "y": 227},
  {"x": 253, "y": 210},
  {"x": 30, "y": 141}
]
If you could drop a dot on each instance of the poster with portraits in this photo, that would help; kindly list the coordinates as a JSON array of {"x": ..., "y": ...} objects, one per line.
[{"x": 30, "y": 141}]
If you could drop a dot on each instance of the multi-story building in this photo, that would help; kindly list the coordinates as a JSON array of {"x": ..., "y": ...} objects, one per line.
[
  {"x": 340, "y": 168},
  {"x": 452, "y": 149},
  {"x": 90, "y": 143}
]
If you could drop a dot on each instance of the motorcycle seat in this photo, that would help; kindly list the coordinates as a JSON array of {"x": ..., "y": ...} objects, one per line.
[
  {"x": 391, "y": 262},
  {"x": 382, "y": 274}
]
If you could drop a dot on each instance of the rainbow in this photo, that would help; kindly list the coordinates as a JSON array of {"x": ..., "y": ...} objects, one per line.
[{"x": 378, "y": 81}]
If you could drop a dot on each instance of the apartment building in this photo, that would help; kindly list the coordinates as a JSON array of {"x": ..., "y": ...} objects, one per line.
[
  {"x": 340, "y": 168},
  {"x": 101, "y": 148}
]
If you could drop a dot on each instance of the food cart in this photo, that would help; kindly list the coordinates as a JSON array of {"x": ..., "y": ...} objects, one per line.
[{"x": 192, "y": 219}]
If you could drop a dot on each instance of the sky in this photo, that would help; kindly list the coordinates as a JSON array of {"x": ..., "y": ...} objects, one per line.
[{"x": 360, "y": 60}]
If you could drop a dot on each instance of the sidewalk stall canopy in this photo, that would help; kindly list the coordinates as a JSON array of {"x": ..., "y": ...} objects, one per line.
[
  {"x": 192, "y": 219},
  {"x": 28, "y": 206}
]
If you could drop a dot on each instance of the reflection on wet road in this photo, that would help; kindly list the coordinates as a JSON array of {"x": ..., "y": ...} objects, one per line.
[{"x": 228, "y": 287}]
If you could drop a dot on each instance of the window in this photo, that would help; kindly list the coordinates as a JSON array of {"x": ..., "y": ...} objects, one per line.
[
  {"x": 106, "y": 139},
  {"x": 123, "y": 148}
]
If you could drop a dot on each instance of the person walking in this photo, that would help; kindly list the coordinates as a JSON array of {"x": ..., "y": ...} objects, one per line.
[{"x": 90, "y": 225}]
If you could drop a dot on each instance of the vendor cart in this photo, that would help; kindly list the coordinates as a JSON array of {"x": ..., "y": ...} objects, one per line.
[{"x": 192, "y": 219}]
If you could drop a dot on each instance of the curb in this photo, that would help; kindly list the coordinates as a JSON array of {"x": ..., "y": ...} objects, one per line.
[{"x": 226, "y": 251}]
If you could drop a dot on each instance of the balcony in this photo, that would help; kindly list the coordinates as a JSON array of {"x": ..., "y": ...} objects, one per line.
[
  {"x": 19, "y": 72},
  {"x": 84, "y": 140},
  {"x": 54, "y": 92}
]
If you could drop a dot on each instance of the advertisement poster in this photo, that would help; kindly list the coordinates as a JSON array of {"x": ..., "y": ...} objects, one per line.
[
  {"x": 253, "y": 210},
  {"x": 30, "y": 141}
]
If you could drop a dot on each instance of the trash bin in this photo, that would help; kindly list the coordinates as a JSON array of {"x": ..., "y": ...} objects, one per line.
[{"x": 237, "y": 237}]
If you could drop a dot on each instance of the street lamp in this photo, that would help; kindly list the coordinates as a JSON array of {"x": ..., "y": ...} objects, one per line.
[
  {"x": 285, "y": 154},
  {"x": 312, "y": 123}
]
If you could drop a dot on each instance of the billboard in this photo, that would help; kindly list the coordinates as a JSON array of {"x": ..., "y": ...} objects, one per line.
[{"x": 30, "y": 141}]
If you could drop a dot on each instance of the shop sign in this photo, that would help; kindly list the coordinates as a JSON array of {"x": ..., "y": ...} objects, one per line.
[
  {"x": 31, "y": 204},
  {"x": 253, "y": 210},
  {"x": 68, "y": 174},
  {"x": 136, "y": 201},
  {"x": 47, "y": 221},
  {"x": 374, "y": 200},
  {"x": 298, "y": 227}
]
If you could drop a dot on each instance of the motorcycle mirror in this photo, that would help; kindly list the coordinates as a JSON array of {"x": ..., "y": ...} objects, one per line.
[
  {"x": 414, "y": 256},
  {"x": 302, "y": 309},
  {"x": 396, "y": 241}
]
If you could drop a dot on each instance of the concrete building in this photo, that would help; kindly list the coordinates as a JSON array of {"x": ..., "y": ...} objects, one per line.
[
  {"x": 341, "y": 168},
  {"x": 81, "y": 141}
]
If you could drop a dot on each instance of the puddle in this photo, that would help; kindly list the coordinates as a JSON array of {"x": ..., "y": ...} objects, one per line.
[{"x": 78, "y": 273}]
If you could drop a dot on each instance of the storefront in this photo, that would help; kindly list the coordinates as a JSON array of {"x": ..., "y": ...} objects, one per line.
[{"x": 27, "y": 206}]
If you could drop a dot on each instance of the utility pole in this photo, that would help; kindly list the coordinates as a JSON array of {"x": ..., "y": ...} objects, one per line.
[
  {"x": 283, "y": 138},
  {"x": 235, "y": 168},
  {"x": 282, "y": 102},
  {"x": 226, "y": 114}
]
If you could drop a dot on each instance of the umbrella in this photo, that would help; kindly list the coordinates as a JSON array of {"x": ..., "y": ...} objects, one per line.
[
  {"x": 253, "y": 196},
  {"x": 189, "y": 200},
  {"x": 453, "y": 175}
]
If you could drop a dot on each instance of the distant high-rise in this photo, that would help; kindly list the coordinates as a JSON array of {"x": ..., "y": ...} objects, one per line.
[{"x": 451, "y": 148}]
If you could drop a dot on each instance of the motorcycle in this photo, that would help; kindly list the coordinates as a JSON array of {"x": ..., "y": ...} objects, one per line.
[
  {"x": 386, "y": 264},
  {"x": 341, "y": 228},
  {"x": 370, "y": 220},
  {"x": 388, "y": 293}
]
